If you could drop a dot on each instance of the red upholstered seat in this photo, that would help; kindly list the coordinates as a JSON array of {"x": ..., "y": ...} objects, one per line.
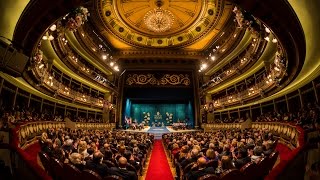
[
  {"x": 263, "y": 166},
  {"x": 89, "y": 174},
  {"x": 188, "y": 168},
  {"x": 130, "y": 167},
  {"x": 45, "y": 160},
  {"x": 57, "y": 168},
  {"x": 109, "y": 163},
  {"x": 232, "y": 174},
  {"x": 250, "y": 171},
  {"x": 113, "y": 177},
  {"x": 272, "y": 159},
  {"x": 71, "y": 172},
  {"x": 209, "y": 177},
  {"x": 212, "y": 163}
]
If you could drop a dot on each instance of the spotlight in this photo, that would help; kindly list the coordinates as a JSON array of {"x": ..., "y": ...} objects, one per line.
[
  {"x": 213, "y": 58},
  {"x": 204, "y": 66},
  {"x": 51, "y": 38},
  {"x": 274, "y": 40},
  {"x": 45, "y": 38},
  {"x": 53, "y": 27},
  {"x": 111, "y": 64},
  {"x": 104, "y": 57},
  {"x": 267, "y": 39},
  {"x": 267, "y": 30}
]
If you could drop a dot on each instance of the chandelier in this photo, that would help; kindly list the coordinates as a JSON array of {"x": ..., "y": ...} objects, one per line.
[{"x": 158, "y": 20}]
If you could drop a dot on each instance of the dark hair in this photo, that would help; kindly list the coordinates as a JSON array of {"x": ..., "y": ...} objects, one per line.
[
  {"x": 90, "y": 151},
  {"x": 257, "y": 151},
  {"x": 243, "y": 152},
  {"x": 127, "y": 154}
]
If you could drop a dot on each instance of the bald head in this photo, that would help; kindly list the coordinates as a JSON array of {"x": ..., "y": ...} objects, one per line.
[
  {"x": 122, "y": 162},
  {"x": 194, "y": 152},
  {"x": 202, "y": 162}
]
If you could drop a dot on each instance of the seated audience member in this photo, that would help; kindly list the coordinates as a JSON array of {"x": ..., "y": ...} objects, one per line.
[
  {"x": 225, "y": 164},
  {"x": 257, "y": 154},
  {"x": 90, "y": 152},
  {"x": 130, "y": 159},
  {"x": 269, "y": 148},
  {"x": 242, "y": 158},
  {"x": 76, "y": 160},
  {"x": 193, "y": 158},
  {"x": 210, "y": 155},
  {"x": 82, "y": 148},
  {"x": 96, "y": 164},
  {"x": 175, "y": 149},
  {"x": 200, "y": 169},
  {"x": 122, "y": 170}
]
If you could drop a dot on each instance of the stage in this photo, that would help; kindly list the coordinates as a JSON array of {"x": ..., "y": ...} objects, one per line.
[{"x": 159, "y": 131}]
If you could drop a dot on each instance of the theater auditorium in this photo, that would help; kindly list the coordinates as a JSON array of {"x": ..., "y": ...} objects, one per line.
[{"x": 159, "y": 90}]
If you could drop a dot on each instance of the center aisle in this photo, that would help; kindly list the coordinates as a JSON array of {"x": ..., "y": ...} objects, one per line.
[{"x": 159, "y": 168}]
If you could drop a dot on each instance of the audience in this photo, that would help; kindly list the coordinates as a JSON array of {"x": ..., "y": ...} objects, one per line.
[
  {"x": 222, "y": 150},
  {"x": 107, "y": 153}
]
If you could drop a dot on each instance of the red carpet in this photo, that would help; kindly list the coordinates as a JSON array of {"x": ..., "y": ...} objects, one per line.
[{"x": 158, "y": 166}]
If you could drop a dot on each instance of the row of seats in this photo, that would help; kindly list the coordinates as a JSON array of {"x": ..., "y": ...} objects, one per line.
[
  {"x": 250, "y": 171},
  {"x": 66, "y": 171}
]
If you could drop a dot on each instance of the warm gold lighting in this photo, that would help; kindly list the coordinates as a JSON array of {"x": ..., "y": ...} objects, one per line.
[{"x": 158, "y": 20}]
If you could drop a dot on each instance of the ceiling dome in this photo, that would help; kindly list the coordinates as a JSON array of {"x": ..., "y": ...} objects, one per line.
[
  {"x": 161, "y": 23},
  {"x": 136, "y": 14}
]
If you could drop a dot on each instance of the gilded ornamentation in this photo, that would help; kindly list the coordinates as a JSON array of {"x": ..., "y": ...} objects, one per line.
[{"x": 150, "y": 79}]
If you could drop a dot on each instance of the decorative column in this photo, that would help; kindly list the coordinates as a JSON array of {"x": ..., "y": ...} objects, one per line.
[
  {"x": 106, "y": 108},
  {"x": 210, "y": 109},
  {"x": 288, "y": 107}
]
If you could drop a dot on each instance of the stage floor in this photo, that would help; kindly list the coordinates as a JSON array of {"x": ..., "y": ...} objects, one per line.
[{"x": 158, "y": 131}]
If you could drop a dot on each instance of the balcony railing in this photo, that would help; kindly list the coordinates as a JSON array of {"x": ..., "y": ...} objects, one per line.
[{"x": 59, "y": 88}]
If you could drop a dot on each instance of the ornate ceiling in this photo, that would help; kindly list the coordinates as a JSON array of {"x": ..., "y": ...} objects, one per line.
[{"x": 191, "y": 24}]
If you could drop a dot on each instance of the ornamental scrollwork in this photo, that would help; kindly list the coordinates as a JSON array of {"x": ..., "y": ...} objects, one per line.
[{"x": 150, "y": 79}]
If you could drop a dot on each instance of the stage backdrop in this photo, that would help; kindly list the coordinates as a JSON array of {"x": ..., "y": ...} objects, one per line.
[{"x": 159, "y": 113}]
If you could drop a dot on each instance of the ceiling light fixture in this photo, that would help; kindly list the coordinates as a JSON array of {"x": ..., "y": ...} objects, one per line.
[
  {"x": 104, "y": 57},
  {"x": 274, "y": 40},
  {"x": 267, "y": 30},
  {"x": 158, "y": 20},
  {"x": 267, "y": 39},
  {"x": 213, "y": 58},
  {"x": 53, "y": 27}
]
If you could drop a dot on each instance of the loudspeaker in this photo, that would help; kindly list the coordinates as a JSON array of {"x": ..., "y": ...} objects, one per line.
[{"x": 12, "y": 61}]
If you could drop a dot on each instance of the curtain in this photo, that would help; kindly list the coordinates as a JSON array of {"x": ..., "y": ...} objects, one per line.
[{"x": 160, "y": 113}]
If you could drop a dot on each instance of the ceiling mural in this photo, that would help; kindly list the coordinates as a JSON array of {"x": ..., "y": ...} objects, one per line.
[{"x": 161, "y": 23}]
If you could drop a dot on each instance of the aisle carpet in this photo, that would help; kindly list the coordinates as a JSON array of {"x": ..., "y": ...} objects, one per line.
[{"x": 158, "y": 166}]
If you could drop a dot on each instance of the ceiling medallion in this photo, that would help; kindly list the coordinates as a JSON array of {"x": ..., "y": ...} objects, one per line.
[{"x": 158, "y": 20}]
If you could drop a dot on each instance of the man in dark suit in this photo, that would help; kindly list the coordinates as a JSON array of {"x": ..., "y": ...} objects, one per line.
[
  {"x": 201, "y": 169},
  {"x": 242, "y": 158},
  {"x": 194, "y": 157},
  {"x": 122, "y": 170},
  {"x": 96, "y": 164}
]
